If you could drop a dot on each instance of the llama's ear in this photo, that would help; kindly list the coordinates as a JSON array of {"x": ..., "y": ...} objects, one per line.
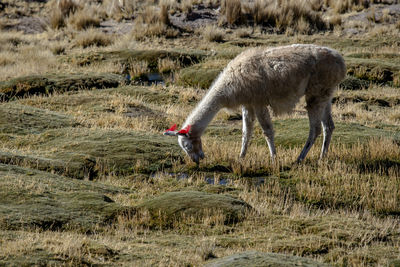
[
  {"x": 171, "y": 131},
  {"x": 185, "y": 131}
]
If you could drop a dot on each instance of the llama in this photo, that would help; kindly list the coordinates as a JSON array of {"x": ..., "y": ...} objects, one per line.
[{"x": 259, "y": 78}]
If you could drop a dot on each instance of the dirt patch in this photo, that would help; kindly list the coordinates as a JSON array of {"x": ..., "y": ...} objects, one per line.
[
  {"x": 28, "y": 25},
  {"x": 198, "y": 17},
  {"x": 372, "y": 15},
  {"x": 375, "y": 13},
  {"x": 114, "y": 27}
]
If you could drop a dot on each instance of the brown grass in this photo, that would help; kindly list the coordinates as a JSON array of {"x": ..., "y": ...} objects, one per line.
[
  {"x": 84, "y": 19},
  {"x": 259, "y": 11},
  {"x": 56, "y": 19},
  {"x": 232, "y": 11},
  {"x": 154, "y": 21},
  {"x": 243, "y": 32},
  {"x": 334, "y": 20},
  {"x": 67, "y": 7},
  {"x": 212, "y": 33},
  {"x": 347, "y": 5},
  {"x": 164, "y": 17},
  {"x": 167, "y": 65},
  {"x": 92, "y": 37},
  {"x": 137, "y": 68},
  {"x": 284, "y": 14},
  {"x": 143, "y": 31}
]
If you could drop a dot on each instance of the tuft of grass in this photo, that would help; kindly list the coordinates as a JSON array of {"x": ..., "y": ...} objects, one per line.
[
  {"x": 285, "y": 14},
  {"x": 56, "y": 19},
  {"x": 335, "y": 20},
  {"x": 164, "y": 17},
  {"x": 137, "y": 69},
  {"x": 347, "y": 5},
  {"x": 243, "y": 32},
  {"x": 154, "y": 22},
  {"x": 57, "y": 49},
  {"x": 259, "y": 11},
  {"x": 6, "y": 59},
  {"x": 167, "y": 65},
  {"x": 83, "y": 19},
  {"x": 232, "y": 11},
  {"x": 142, "y": 31},
  {"x": 60, "y": 11},
  {"x": 93, "y": 37},
  {"x": 67, "y": 7},
  {"x": 212, "y": 33}
]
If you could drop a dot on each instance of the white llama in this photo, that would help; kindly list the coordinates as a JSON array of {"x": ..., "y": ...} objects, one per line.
[{"x": 277, "y": 78}]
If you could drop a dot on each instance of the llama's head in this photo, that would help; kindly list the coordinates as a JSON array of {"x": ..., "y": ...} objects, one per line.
[{"x": 191, "y": 145}]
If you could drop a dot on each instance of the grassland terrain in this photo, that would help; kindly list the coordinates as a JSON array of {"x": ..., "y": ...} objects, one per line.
[{"x": 87, "y": 178}]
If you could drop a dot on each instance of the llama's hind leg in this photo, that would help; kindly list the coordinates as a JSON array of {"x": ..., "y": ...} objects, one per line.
[
  {"x": 328, "y": 126},
  {"x": 248, "y": 123},
  {"x": 264, "y": 119},
  {"x": 315, "y": 112}
]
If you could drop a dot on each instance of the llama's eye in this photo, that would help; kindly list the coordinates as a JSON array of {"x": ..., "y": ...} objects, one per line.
[{"x": 188, "y": 146}]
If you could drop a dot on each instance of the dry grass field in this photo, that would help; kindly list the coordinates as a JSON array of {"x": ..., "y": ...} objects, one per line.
[{"x": 87, "y": 178}]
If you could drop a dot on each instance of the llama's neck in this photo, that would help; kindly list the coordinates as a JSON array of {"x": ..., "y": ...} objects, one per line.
[{"x": 205, "y": 111}]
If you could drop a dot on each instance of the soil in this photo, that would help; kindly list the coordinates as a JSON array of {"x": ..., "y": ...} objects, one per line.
[
  {"x": 28, "y": 25},
  {"x": 199, "y": 16}
]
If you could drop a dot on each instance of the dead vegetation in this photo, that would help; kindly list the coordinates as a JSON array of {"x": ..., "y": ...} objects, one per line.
[{"x": 93, "y": 37}]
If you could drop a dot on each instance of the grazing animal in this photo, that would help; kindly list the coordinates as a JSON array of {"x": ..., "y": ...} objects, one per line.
[{"x": 278, "y": 78}]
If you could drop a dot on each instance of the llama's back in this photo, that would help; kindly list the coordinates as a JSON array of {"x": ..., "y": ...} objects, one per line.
[{"x": 278, "y": 77}]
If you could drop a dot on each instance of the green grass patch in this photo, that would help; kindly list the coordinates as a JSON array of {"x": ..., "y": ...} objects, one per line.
[
  {"x": 17, "y": 119},
  {"x": 254, "y": 258},
  {"x": 34, "y": 199},
  {"x": 192, "y": 206},
  {"x": 185, "y": 58},
  {"x": 50, "y": 83},
  {"x": 203, "y": 74},
  {"x": 88, "y": 153}
]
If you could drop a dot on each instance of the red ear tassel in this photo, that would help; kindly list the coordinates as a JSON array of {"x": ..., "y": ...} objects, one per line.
[
  {"x": 185, "y": 130},
  {"x": 173, "y": 128}
]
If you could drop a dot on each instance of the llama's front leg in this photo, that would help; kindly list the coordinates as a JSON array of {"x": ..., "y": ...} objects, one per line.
[
  {"x": 248, "y": 123},
  {"x": 266, "y": 124},
  {"x": 328, "y": 126},
  {"x": 314, "y": 116}
]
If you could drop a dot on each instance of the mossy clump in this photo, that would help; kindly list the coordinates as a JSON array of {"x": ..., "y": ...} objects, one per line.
[
  {"x": 152, "y": 57},
  {"x": 50, "y": 141},
  {"x": 49, "y": 83},
  {"x": 255, "y": 258},
  {"x": 198, "y": 75},
  {"x": 191, "y": 206},
  {"x": 384, "y": 70},
  {"x": 35, "y": 258},
  {"x": 87, "y": 153},
  {"x": 18, "y": 119},
  {"x": 353, "y": 83},
  {"x": 34, "y": 199}
]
